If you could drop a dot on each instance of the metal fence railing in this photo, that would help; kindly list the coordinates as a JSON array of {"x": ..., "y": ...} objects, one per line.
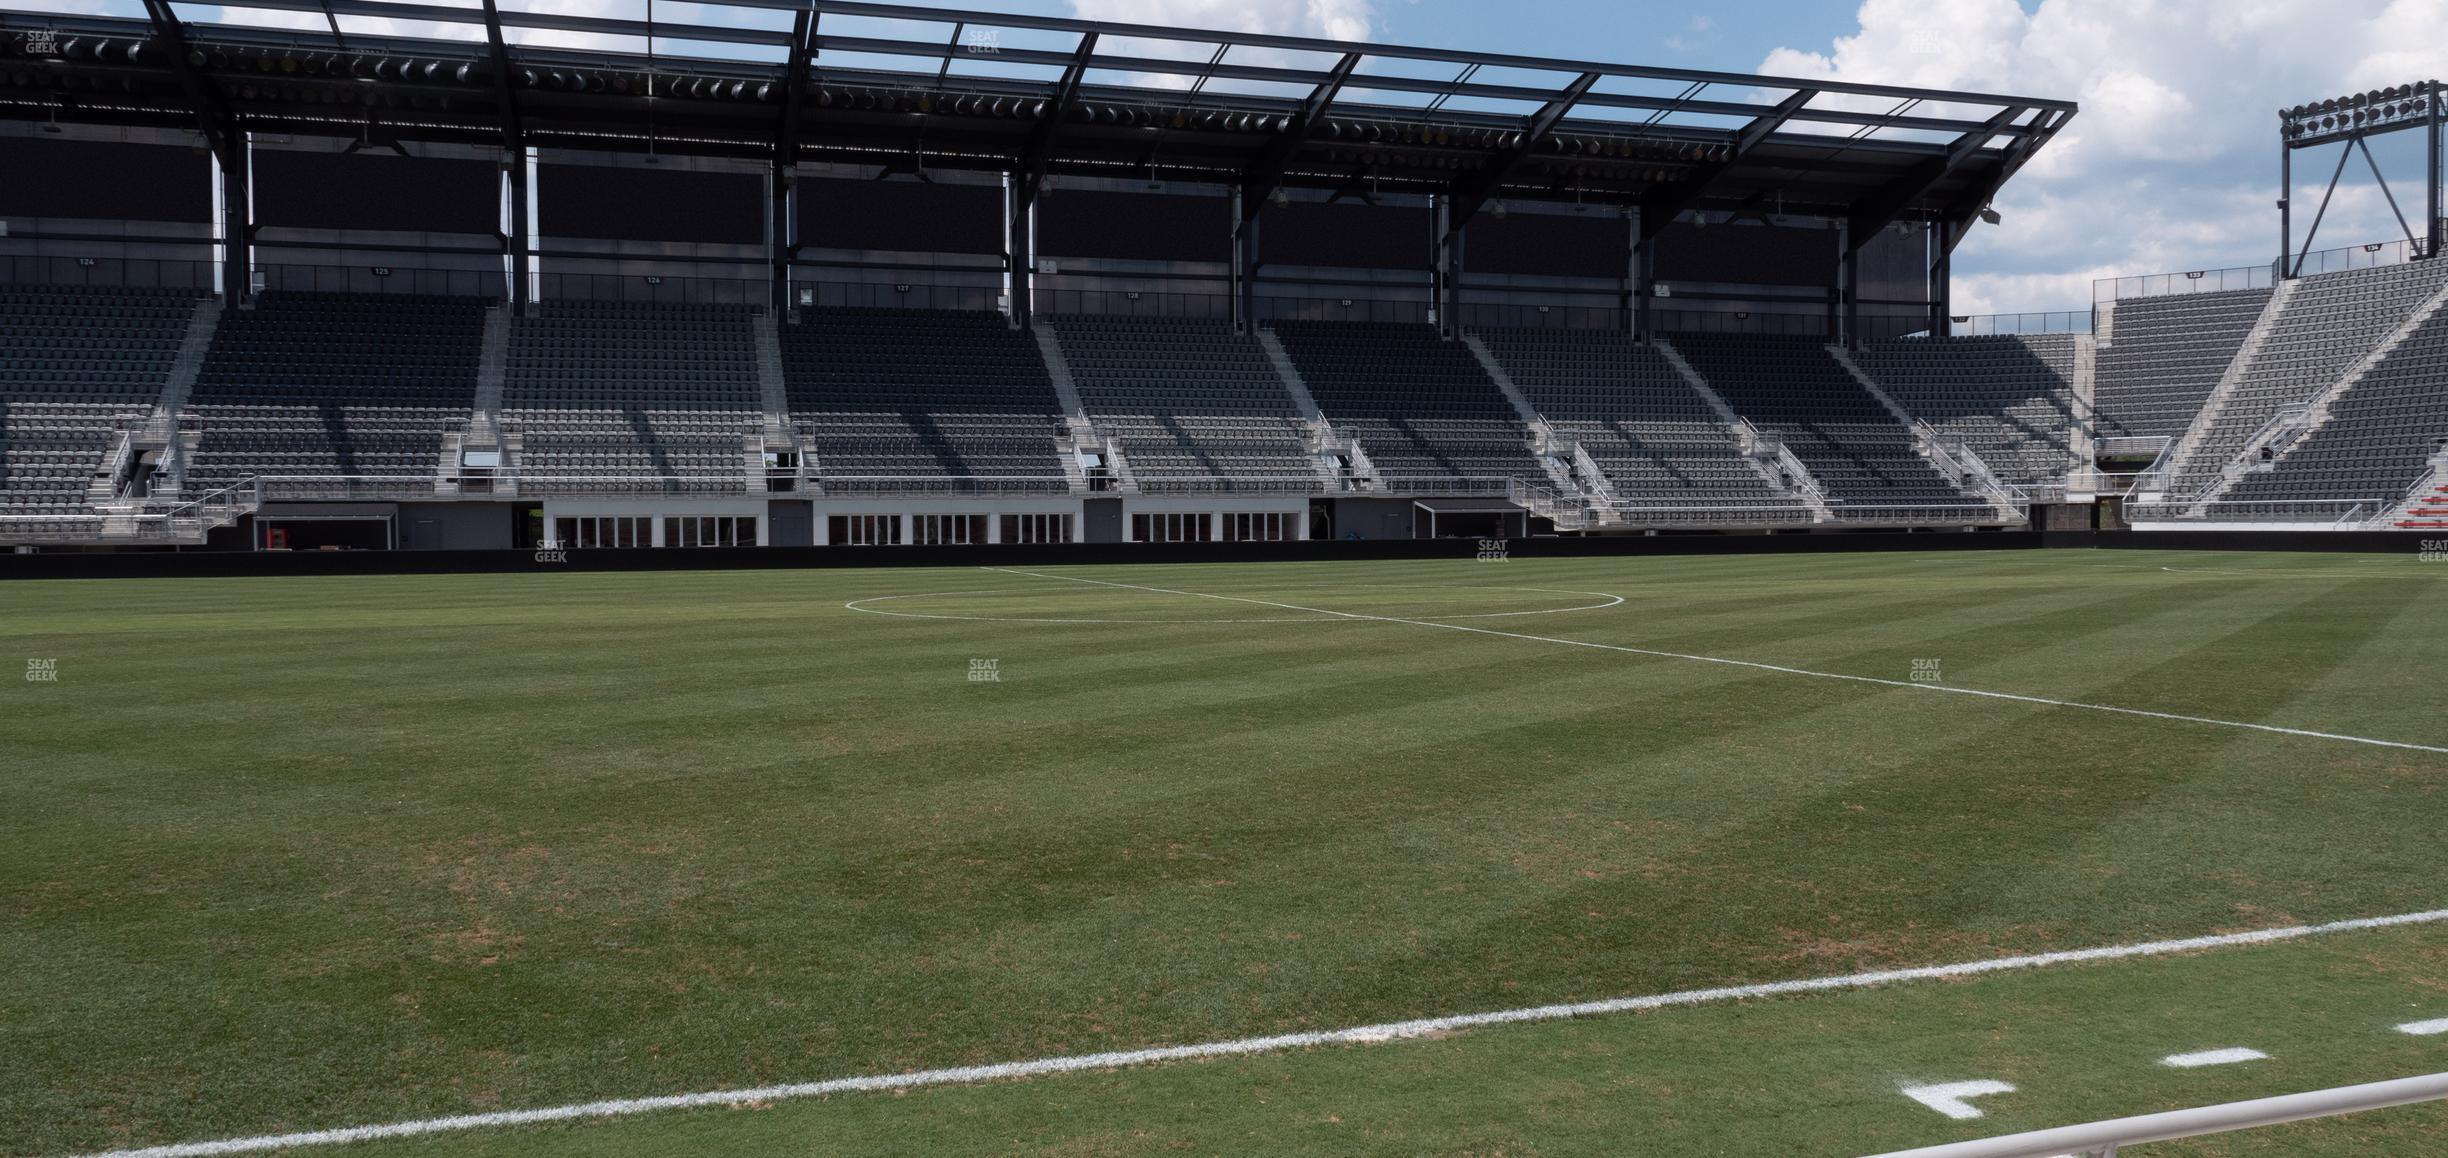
[
  {"x": 653, "y": 289},
  {"x": 2397, "y": 252},
  {"x": 2048, "y": 322},
  {"x": 379, "y": 279},
  {"x": 2294, "y": 511},
  {"x": 2097, "y": 1139},
  {"x": 2199, "y": 281},
  {"x": 1273, "y": 308},
  {"x": 978, "y": 485},
  {"x": 107, "y": 272},
  {"x": 1796, "y": 324},
  {"x": 1134, "y": 303},
  {"x": 809, "y": 293},
  {"x": 1920, "y": 514},
  {"x": 1236, "y": 485},
  {"x": 2244, "y": 277},
  {"x": 1639, "y": 514},
  {"x": 1543, "y": 317}
]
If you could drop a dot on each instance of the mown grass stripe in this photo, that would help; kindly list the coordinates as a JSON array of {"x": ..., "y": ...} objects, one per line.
[
  {"x": 1356, "y": 1035},
  {"x": 1951, "y": 689}
]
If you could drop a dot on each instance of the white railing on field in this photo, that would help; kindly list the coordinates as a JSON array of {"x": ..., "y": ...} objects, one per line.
[
  {"x": 1449, "y": 485},
  {"x": 1543, "y": 500},
  {"x": 859, "y": 485},
  {"x": 2130, "y": 446},
  {"x": 1305, "y": 484},
  {"x": 1637, "y": 514},
  {"x": 2253, "y": 510},
  {"x": 2101, "y": 1139}
]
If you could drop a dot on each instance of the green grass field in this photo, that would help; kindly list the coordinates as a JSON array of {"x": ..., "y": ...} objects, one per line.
[{"x": 294, "y": 854}]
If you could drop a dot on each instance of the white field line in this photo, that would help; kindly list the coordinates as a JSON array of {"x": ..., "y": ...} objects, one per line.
[
  {"x": 1605, "y": 600},
  {"x": 2213, "y": 1057},
  {"x": 2425, "y": 1028},
  {"x": 1950, "y": 1098},
  {"x": 1951, "y": 689},
  {"x": 1358, "y": 1035}
]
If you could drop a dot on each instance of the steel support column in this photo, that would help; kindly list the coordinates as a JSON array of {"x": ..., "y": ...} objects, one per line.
[
  {"x": 2286, "y": 208},
  {"x": 1942, "y": 292},
  {"x": 1631, "y": 278},
  {"x": 237, "y": 223},
  {"x": 1244, "y": 267},
  {"x": 785, "y": 169},
  {"x": 1019, "y": 248},
  {"x": 781, "y": 245},
  {"x": 1644, "y": 282},
  {"x": 521, "y": 241},
  {"x": 1447, "y": 262},
  {"x": 2434, "y": 92}
]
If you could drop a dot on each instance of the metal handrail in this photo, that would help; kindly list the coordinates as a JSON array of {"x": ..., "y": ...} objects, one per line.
[
  {"x": 2151, "y": 444},
  {"x": 1176, "y": 484},
  {"x": 221, "y": 497},
  {"x": 2431, "y": 477},
  {"x": 1450, "y": 484},
  {"x": 2262, "y": 510},
  {"x": 2103, "y": 1138},
  {"x": 1964, "y": 462},
  {"x": 2114, "y": 482}
]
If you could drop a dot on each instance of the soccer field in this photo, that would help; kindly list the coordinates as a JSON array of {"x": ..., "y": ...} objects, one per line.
[{"x": 304, "y": 854}]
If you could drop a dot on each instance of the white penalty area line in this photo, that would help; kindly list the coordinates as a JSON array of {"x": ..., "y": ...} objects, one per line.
[
  {"x": 1357, "y": 1035},
  {"x": 1950, "y": 689}
]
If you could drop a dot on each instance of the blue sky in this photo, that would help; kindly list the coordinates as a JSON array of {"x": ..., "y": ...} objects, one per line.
[{"x": 2172, "y": 164}]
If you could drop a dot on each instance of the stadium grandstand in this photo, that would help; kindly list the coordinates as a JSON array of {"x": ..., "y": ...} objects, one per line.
[
  {"x": 1043, "y": 279},
  {"x": 811, "y": 576}
]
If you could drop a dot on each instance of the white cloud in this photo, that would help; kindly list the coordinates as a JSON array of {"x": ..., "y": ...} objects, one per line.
[
  {"x": 1694, "y": 35},
  {"x": 2171, "y": 164},
  {"x": 1329, "y": 19},
  {"x": 1333, "y": 19}
]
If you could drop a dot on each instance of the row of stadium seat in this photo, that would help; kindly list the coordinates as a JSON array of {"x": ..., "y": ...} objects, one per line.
[
  {"x": 366, "y": 384},
  {"x": 1195, "y": 405},
  {"x": 2010, "y": 398},
  {"x": 75, "y": 366},
  {"x": 1421, "y": 408},
  {"x": 1862, "y": 457},
  {"x": 334, "y": 384},
  {"x": 2331, "y": 322},
  {"x": 2378, "y": 440},
  {"x": 915, "y": 393},
  {"x": 2165, "y": 354},
  {"x": 1657, "y": 441}
]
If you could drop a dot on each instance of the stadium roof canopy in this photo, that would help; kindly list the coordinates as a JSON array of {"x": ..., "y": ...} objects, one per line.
[{"x": 932, "y": 89}]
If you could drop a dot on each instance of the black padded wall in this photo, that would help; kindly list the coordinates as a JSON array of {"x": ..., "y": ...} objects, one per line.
[
  {"x": 621, "y": 203},
  {"x": 104, "y": 180},
  {"x": 1593, "y": 244},
  {"x": 905, "y": 216},
  {"x": 1894, "y": 266},
  {"x": 376, "y": 190},
  {"x": 1135, "y": 226},
  {"x": 1346, "y": 233},
  {"x": 1747, "y": 255}
]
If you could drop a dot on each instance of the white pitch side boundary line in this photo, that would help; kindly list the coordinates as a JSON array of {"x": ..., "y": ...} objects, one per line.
[
  {"x": 1952, "y": 689},
  {"x": 1357, "y": 1035}
]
